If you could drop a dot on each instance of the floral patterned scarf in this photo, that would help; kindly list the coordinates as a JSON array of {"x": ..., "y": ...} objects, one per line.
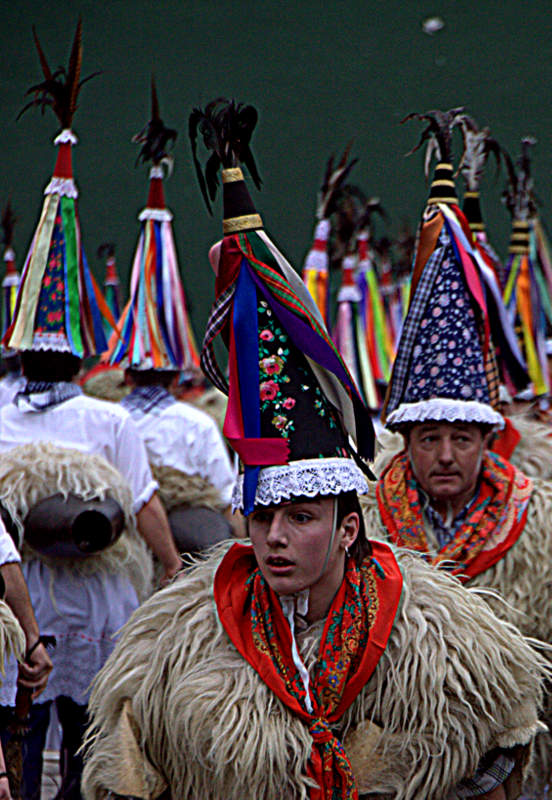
[
  {"x": 492, "y": 525},
  {"x": 355, "y": 635}
]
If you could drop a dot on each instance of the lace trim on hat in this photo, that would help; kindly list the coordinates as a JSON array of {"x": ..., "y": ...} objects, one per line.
[
  {"x": 444, "y": 409},
  {"x": 156, "y": 214},
  {"x": 65, "y": 187},
  {"x": 65, "y": 136},
  {"x": 309, "y": 477},
  {"x": 57, "y": 342}
]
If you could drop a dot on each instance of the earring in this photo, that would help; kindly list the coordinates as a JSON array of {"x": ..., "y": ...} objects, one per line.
[{"x": 346, "y": 550}]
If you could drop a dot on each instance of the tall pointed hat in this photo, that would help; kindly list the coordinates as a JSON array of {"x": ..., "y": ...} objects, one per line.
[
  {"x": 111, "y": 285},
  {"x": 155, "y": 327},
  {"x": 316, "y": 269},
  {"x": 10, "y": 281},
  {"x": 293, "y": 408},
  {"x": 59, "y": 305},
  {"x": 528, "y": 285},
  {"x": 446, "y": 368}
]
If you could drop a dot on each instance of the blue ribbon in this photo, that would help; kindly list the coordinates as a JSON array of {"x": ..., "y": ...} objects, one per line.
[{"x": 245, "y": 326}]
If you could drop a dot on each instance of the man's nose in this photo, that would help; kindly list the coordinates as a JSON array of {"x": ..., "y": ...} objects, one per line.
[
  {"x": 276, "y": 531},
  {"x": 446, "y": 455}
]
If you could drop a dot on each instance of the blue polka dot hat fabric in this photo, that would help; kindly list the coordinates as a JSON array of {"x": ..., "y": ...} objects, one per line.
[{"x": 447, "y": 360}]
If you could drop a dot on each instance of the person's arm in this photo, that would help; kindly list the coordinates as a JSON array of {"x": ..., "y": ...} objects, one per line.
[
  {"x": 34, "y": 673},
  {"x": 154, "y": 527},
  {"x": 5, "y": 793}
]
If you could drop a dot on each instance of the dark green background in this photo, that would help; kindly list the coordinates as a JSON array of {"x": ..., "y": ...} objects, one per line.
[{"x": 319, "y": 74}]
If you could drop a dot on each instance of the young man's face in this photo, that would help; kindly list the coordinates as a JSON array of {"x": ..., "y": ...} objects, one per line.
[
  {"x": 446, "y": 458},
  {"x": 291, "y": 543}
]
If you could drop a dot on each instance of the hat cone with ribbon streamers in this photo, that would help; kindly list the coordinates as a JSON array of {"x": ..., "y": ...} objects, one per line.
[
  {"x": 111, "y": 286},
  {"x": 59, "y": 306},
  {"x": 316, "y": 273},
  {"x": 528, "y": 278},
  {"x": 155, "y": 327},
  {"x": 445, "y": 368},
  {"x": 293, "y": 407},
  {"x": 478, "y": 146},
  {"x": 10, "y": 281}
]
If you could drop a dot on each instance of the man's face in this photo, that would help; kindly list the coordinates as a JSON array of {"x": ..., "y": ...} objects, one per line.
[{"x": 446, "y": 458}]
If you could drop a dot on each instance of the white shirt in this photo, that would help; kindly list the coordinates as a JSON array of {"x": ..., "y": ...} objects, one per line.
[
  {"x": 185, "y": 438},
  {"x": 8, "y": 550},
  {"x": 10, "y": 384},
  {"x": 91, "y": 426}
]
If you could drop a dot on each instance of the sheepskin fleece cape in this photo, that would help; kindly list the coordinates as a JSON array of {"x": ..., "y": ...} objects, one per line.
[
  {"x": 32, "y": 472},
  {"x": 177, "y": 707},
  {"x": 12, "y": 638},
  {"x": 176, "y": 488}
]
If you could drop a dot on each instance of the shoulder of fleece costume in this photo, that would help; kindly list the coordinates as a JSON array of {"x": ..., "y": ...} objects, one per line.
[
  {"x": 373, "y": 522},
  {"x": 523, "y": 576},
  {"x": 533, "y": 453},
  {"x": 193, "y": 703},
  {"x": 453, "y": 683}
]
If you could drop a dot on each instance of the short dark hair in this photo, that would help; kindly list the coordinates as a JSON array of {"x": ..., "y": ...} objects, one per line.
[
  {"x": 152, "y": 377},
  {"x": 49, "y": 366}
]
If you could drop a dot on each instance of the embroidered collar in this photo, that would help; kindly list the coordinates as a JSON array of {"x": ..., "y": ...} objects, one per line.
[
  {"x": 147, "y": 399},
  {"x": 41, "y": 395}
]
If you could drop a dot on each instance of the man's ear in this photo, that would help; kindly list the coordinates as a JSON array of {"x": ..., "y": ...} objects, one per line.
[{"x": 349, "y": 528}]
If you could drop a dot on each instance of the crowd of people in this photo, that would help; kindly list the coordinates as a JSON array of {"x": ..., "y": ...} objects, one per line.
[{"x": 373, "y": 620}]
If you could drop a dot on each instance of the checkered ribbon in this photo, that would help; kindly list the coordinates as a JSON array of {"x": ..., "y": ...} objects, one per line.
[
  {"x": 401, "y": 367},
  {"x": 217, "y": 319}
]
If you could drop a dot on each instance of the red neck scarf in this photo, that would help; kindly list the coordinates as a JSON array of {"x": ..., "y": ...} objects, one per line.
[
  {"x": 492, "y": 525},
  {"x": 355, "y": 635}
]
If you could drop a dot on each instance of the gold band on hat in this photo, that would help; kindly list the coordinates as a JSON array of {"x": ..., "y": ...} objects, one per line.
[
  {"x": 442, "y": 182},
  {"x": 232, "y": 174},
  {"x": 472, "y": 194},
  {"x": 453, "y": 200},
  {"x": 476, "y": 227},
  {"x": 246, "y": 222}
]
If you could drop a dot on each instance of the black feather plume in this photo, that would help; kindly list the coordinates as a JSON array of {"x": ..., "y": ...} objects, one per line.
[
  {"x": 60, "y": 89},
  {"x": 334, "y": 180},
  {"x": 226, "y": 128},
  {"x": 438, "y": 133},
  {"x": 8, "y": 224},
  {"x": 154, "y": 137},
  {"x": 106, "y": 250},
  {"x": 519, "y": 196}
]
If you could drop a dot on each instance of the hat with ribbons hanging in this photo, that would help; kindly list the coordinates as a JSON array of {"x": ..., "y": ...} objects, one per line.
[
  {"x": 446, "y": 367},
  {"x": 294, "y": 415},
  {"x": 59, "y": 305},
  {"x": 11, "y": 279},
  {"x": 155, "y": 327}
]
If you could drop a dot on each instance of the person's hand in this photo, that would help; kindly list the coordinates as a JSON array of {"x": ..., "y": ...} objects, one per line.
[
  {"x": 33, "y": 673},
  {"x": 5, "y": 793},
  {"x": 170, "y": 571}
]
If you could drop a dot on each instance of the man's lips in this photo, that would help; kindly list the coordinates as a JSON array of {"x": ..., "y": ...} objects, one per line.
[{"x": 279, "y": 563}]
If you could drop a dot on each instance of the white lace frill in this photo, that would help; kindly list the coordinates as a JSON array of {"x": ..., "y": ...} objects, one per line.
[
  {"x": 309, "y": 477},
  {"x": 9, "y": 254},
  {"x": 156, "y": 214},
  {"x": 65, "y": 187},
  {"x": 65, "y": 136},
  {"x": 444, "y": 409}
]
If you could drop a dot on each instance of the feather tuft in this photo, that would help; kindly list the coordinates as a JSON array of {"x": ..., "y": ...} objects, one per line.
[
  {"x": 437, "y": 134},
  {"x": 226, "y": 128},
  {"x": 60, "y": 89},
  {"x": 8, "y": 223},
  {"x": 154, "y": 137}
]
